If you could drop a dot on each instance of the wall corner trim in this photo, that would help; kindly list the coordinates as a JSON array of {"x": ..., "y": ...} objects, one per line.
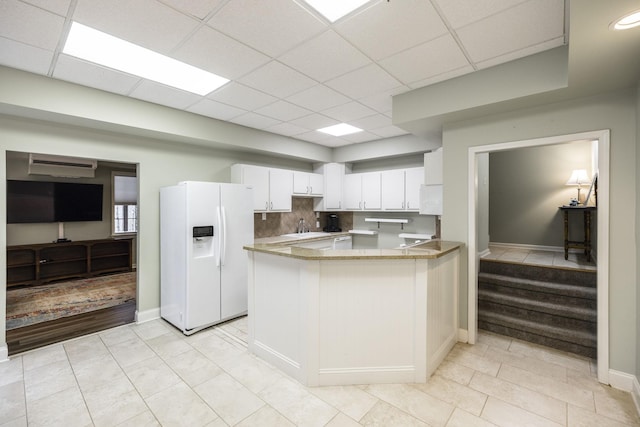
[
  {"x": 463, "y": 335},
  {"x": 147, "y": 315},
  {"x": 4, "y": 352},
  {"x": 622, "y": 380}
]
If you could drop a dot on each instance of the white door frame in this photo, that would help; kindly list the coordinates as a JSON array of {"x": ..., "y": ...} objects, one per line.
[{"x": 602, "y": 136}]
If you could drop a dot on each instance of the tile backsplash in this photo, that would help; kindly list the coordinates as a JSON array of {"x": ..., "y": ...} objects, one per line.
[{"x": 279, "y": 223}]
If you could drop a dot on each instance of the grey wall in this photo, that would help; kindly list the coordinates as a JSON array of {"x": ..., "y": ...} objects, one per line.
[
  {"x": 638, "y": 232},
  {"x": 527, "y": 186},
  {"x": 615, "y": 111}
]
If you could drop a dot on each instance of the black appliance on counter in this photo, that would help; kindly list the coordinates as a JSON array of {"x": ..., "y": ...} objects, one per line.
[{"x": 333, "y": 224}]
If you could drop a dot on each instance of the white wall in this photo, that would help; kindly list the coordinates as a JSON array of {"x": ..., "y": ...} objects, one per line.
[{"x": 614, "y": 111}]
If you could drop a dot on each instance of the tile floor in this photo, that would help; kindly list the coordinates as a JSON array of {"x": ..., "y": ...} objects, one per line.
[
  {"x": 150, "y": 375},
  {"x": 540, "y": 257}
]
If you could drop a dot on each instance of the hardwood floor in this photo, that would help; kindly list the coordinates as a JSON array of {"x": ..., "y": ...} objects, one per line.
[{"x": 45, "y": 333}]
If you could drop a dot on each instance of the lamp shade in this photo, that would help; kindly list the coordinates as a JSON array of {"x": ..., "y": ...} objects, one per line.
[{"x": 579, "y": 177}]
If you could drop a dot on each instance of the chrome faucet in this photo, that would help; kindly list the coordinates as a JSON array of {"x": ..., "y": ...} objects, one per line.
[{"x": 302, "y": 228}]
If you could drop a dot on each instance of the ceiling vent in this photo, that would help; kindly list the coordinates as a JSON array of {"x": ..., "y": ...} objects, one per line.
[{"x": 62, "y": 166}]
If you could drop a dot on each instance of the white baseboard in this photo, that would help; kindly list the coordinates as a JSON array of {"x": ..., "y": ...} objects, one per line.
[
  {"x": 635, "y": 393},
  {"x": 4, "y": 352},
  {"x": 463, "y": 335},
  {"x": 147, "y": 315},
  {"x": 528, "y": 247},
  {"x": 621, "y": 380},
  {"x": 484, "y": 253}
]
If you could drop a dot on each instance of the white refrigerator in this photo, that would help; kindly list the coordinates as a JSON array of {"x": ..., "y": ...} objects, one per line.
[{"x": 203, "y": 267}]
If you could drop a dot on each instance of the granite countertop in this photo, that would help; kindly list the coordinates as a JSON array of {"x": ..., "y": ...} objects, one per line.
[
  {"x": 301, "y": 237},
  {"x": 428, "y": 250}
]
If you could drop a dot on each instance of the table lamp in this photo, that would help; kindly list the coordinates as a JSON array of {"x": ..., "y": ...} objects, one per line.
[{"x": 579, "y": 177}]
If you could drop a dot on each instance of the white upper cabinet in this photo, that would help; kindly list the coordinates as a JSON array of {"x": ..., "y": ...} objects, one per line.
[
  {"x": 272, "y": 188},
  {"x": 433, "y": 167},
  {"x": 333, "y": 176},
  {"x": 308, "y": 184},
  {"x": 362, "y": 191},
  {"x": 401, "y": 189}
]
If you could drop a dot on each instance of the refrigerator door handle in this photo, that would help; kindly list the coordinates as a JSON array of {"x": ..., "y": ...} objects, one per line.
[
  {"x": 223, "y": 255},
  {"x": 219, "y": 251}
]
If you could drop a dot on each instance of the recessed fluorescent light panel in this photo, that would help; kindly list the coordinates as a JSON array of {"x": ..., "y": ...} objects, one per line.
[
  {"x": 628, "y": 21},
  {"x": 95, "y": 46},
  {"x": 340, "y": 130},
  {"x": 335, "y": 9}
]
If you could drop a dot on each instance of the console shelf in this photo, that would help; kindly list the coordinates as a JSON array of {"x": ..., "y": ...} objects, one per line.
[{"x": 41, "y": 263}]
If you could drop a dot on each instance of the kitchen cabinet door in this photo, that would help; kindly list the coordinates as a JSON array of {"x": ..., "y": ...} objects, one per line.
[
  {"x": 307, "y": 184},
  {"x": 371, "y": 197},
  {"x": 316, "y": 184},
  {"x": 353, "y": 191},
  {"x": 413, "y": 179},
  {"x": 393, "y": 189},
  {"x": 258, "y": 178},
  {"x": 280, "y": 189}
]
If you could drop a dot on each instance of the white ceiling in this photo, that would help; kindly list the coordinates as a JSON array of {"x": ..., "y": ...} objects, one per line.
[{"x": 291, "y": 70}]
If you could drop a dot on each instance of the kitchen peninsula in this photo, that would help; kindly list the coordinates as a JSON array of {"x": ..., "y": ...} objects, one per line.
[{"x": 353, "y": 316}]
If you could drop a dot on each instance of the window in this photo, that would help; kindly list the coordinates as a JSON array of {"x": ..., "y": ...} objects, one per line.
[{"x": 125, "y": 203}]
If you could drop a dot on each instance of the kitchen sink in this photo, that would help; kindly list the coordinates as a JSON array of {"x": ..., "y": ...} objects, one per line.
[{"x": 309, "y": 235}]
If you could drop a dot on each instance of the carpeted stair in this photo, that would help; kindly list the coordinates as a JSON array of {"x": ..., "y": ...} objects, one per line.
[{"x": 545, "y": 305}]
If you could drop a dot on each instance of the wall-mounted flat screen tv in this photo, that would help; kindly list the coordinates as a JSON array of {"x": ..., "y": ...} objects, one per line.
[{"x": 39, "y": 201}]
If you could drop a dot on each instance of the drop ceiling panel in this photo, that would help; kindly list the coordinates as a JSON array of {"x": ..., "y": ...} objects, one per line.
[
  {"x": 213, "y": 51},
  {"x": 75, "y": 70},
  {"x": 286, "y": 129},
  {"x": 324, "y": 57},
  {"x": 528, "y": 24},
  {"x": 372, "y": 122},
  {"x": 24, "y": 57},
  {"x": 30, "y": 25},
  {"x": 196, "y": 8},
  {"x": 283, "y": 110},
  {"x": 429, "y": 59},
  {"x": 241, "y": 96},
  {"x": 349, "y": 111},
  {"x": 272, "y": 26},
  {"x": 463, "y": 12},
  {"x": 363, "y": 82},
  {"x": 164, "y": 95},
  {"x": 148, "y": 23},
  {"x": 390, "y": 27},
  {"x": 315, "y": 121},
  {"x": 254, "y": 120},
  {"x": 389, "y": 131},
  {"x": 381, "y": 101},
  {"x": 278, "y": 80},
  {"x": 59, "y": 7},
  {"x": 318, "y": 98},
  {"x": 216, "y": 110}
]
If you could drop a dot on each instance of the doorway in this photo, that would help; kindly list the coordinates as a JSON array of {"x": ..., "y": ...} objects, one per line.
[{"x": 476, "y": 153}]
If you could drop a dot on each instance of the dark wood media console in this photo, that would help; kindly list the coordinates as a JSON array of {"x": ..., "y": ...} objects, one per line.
[{"x": 48, "y": 262}]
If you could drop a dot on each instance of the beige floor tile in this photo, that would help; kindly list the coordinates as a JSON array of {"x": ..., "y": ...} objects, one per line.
[
  {"x": 85, "y": 348},
  {"x": 505, "y": 415},
  {"x": 11, "y": 371},
  {"x": 145, "y": 419},
  {"x": 228, "y": 398},
  {"x": 48, "y": 379},
  {"x": 217, "y": 349},
  {"x": 551, "y": 355},
  {"x": 473, "y": 361},
  {"x": 579, "y": 417},
  {"x": 168, "y": 345},
  {"x": 455, "y": 372},
  {"x": 545, "y": 385},
  {"x": 151, "y": 376},
  {"x": 297, "y": 404},
  {"x": 423, "y": 406},
  {"x": 494, "y": 340},
  {"x": 616, "y": 404},
  {"x": 180, "y": 406},
  {"x": 114, "y": 402},
  {"x": 43, "y": 356},
  {"x": 341, "y": 420},
  {"x": 456, "y": 394},
  {"x": 130, "y": 352},
  {"x": 17, "y": 422},
  {"x": 96, "y": 373},
  {"x": 517, "y": 395},
  {"x": 583, "y": 380},
  {"x": 66, "y": 408},
  {"x": 12, "y": 402},
  {"x": 118, "y": 335},
  {"x": 385, "y": 415},
  {"x": 265, "y": 416},
  {"x": 252, "y": 372},
  {"x": 462, "y": 418},
  {"x": 193, "y": 367},
  {"x": 351, "y": 400},
  {"x": 514, "y": 255},
  {"x": 152, "y": 329},
  {"x": 536, "y": 366}
]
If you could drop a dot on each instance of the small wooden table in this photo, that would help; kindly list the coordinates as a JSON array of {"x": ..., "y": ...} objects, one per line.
[{"x": 586, "y": 243}]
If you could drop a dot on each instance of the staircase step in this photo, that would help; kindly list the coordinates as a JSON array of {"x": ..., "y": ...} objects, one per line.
[
  {"x": 552, "y": 288},
  {"x": 565, "y": 339},
  {"x": 586, "y": 278},
  {"x": 553, "y": 308}
]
